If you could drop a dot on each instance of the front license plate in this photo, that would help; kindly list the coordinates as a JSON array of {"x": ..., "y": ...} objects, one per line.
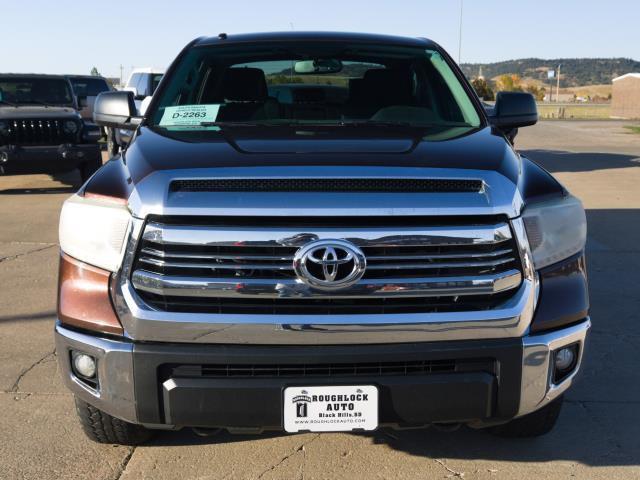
[{"x": 331, "y": 409}]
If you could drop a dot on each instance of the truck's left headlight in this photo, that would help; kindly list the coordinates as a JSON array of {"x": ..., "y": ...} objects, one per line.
[
  {"x": 94, "y": 231},
  {"x": 556, "y": 229}
]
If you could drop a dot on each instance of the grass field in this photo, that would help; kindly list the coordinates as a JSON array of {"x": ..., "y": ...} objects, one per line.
[
  {"x": 574, "y": 111},
  {"x": 633, "y": 128}
]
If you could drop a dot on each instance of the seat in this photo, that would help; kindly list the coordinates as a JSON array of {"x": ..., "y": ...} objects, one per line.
[
  {"x": 379, "y": 88},
  {"x": 245, "y": 95}
]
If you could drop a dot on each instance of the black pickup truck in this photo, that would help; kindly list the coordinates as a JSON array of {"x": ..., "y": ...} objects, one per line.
[
  {"x": 319, "y": 232},
  {"x": 41, "y": 130}
]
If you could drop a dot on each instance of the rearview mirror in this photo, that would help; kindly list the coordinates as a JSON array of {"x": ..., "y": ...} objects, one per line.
[
  {"x": 513, "y": 110},
  {"x": 117, "y": 110},
  {"x": 327, "y": 65}
]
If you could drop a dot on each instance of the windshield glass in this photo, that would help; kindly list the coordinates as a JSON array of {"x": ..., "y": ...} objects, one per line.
[
  {"x": 33, "y": 90},
  {"x": 88, "y": 87},
  {"x": 307, "y": 83}
]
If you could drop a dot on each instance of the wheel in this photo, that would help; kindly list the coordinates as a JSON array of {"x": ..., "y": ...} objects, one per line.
[
  {"x": 534, "y": 424},
  {"x": 90, "y": 167},
  {"x": 112, "y": 146},
  {"x": 103, "y": 428}
]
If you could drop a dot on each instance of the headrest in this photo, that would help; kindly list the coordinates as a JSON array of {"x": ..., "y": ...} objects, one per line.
[
  {"x": 244, "y": 85},
  {"x": 389, "y": 83}
]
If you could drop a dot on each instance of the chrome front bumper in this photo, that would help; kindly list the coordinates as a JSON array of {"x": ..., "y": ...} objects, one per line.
[{"x": 116, "y": 391}]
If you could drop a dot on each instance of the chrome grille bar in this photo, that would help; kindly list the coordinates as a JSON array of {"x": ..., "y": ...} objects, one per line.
[
  {"x": 201, "y": 235},
  {"x": 290, "y": 288},
  {"x": 208, "y": 262}
]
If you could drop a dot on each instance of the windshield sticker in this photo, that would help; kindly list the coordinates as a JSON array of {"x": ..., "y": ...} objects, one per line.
[{"x": 189, "y": 115}]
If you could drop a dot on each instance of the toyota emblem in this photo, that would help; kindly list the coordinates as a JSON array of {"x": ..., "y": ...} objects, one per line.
[{"x": 329, "y": 264}]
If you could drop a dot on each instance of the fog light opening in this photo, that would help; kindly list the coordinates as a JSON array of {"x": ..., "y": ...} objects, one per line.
[
  {"x": 84, "y": 366},
  {"x": 565, "y": 360}
]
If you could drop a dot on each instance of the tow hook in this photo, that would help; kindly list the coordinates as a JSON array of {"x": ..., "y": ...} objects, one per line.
[{"x": 67, "y": 152}]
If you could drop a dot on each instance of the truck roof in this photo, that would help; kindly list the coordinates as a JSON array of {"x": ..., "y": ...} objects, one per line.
[
  {"x": 147, "y": 70},
  {"x": 38, "y": 75},
  {"x": 223, "y": 38},
  {"x": 85, "y": 76}
]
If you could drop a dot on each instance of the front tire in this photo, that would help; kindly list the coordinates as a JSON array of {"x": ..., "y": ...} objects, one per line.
[
  {"x": 534, "y": 424},
  {"x": 103, "y": 428}
]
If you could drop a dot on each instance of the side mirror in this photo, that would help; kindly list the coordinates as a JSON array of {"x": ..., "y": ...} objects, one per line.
[
  {"x": 82, "y": 102},
  {"x": 513, "y": 110},
  {"x": 117, "y": 110}
]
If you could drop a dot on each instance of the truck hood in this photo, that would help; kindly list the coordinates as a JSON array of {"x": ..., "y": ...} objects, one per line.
[
  {"x": 155, "y": 160},
  {"x": 36, "y": 111},
  {"x": 455, "y": 148}
]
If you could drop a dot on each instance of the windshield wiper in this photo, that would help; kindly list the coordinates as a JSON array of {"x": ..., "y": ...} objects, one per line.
[{"x": 238, "y": 124}]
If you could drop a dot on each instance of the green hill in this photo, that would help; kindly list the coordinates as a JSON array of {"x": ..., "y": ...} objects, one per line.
[{"x": 574, "y": 71}]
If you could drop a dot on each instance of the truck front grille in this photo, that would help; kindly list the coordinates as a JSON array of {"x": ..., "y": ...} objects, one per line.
[
  {"x": 410, "y": 269},
  {"x": 36, "y": 132}
]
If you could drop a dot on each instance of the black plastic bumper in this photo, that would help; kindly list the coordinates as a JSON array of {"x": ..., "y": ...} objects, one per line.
[
  {"x": 15, "y": 160},
  {"x": 253, "y": 402}
]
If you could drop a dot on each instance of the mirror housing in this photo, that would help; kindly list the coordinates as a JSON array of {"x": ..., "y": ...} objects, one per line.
[
  {"x": 317, "y": 66},
  {"x": 82, "y": 102},
  {"x": 513, "y": 110},
  {"x": 116, "y": 110}
]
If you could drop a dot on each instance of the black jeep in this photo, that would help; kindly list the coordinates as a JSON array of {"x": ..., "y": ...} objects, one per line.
[{"x": 41, "y": 130}]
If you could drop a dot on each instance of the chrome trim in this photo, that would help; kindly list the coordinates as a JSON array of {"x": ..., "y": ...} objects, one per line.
[
  {"x": 152, "y": 196},
  {"x": 218, "y": 266},
  {"x": 538, "y": 388},
  {"x": 437, "y": 256},
  {"x": 413, "y": 266},
  {"x": 203, "y": 256},
  {"x": 115, "y": 394},
  {"x": 499, "y": 196},
  {"x": 200, "y": 235},
  {"x": 238, "y": 287},
  {"x": 331, "y": 263},
  {"x": 290, "y": 266},
  {"x": 143, "y": 322}
]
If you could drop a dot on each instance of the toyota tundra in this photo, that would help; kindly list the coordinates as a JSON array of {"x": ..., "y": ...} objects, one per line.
[{"x": 319, "y": 232}]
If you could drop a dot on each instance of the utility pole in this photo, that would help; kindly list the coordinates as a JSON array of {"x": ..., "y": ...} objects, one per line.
[
  {"x": 121, "y": 70},
  {"x": 558, "y": 84},
  {"x": 460, "y": 33}
]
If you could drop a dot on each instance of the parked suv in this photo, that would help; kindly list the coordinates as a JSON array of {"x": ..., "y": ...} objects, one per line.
[
  {"x": 86, "y": 88},
  {"x": 142, "y": 83},
  {"x": 41, "y": 130},
  {"x": 363, "y": 247}
]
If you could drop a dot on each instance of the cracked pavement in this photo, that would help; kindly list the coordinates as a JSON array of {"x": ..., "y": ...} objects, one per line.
[{"x": 598, "y": 434}]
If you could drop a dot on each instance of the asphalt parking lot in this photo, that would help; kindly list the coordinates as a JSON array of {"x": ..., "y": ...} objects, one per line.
[{"x": 598, "y": 434}]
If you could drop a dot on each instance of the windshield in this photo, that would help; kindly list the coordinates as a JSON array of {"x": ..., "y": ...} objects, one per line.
[
  {"x": 33, "y": 90},
  {"x": 88, "y": 87},
  {"x": 307, "y": 83}
]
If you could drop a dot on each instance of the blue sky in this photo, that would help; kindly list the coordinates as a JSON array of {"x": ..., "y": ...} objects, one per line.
[{"x": 70, "y": 37}]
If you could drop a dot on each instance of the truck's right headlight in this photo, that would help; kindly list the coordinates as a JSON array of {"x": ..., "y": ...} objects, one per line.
[
  {"x": 556, "y": 229},
  {"x": 94, "y": 230}
]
